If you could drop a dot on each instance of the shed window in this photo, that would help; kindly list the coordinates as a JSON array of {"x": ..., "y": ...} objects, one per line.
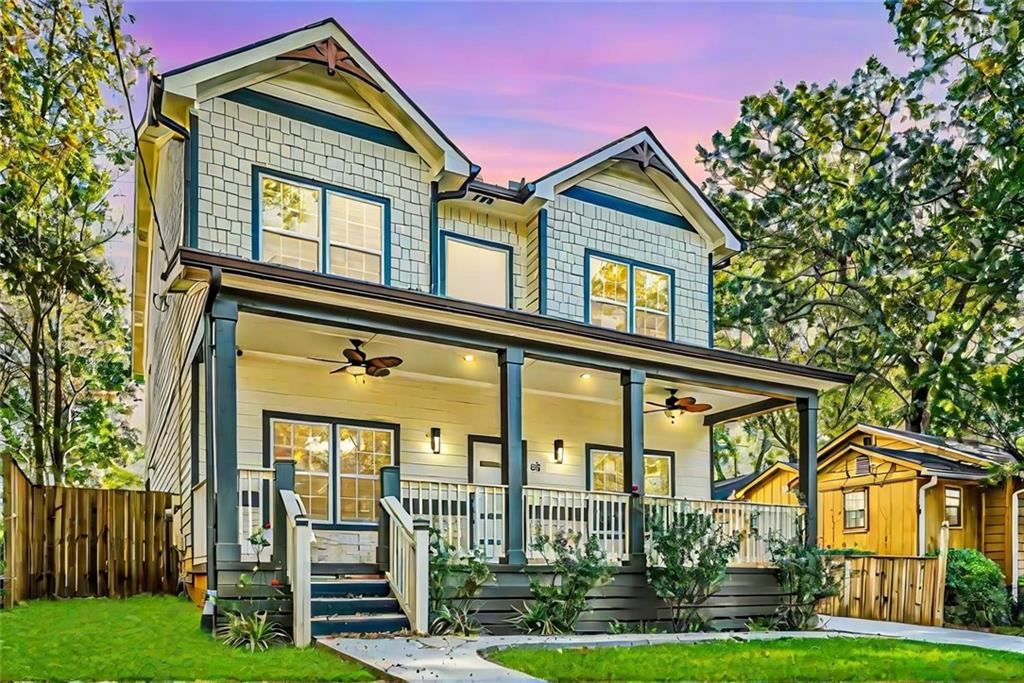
[
  {"x": 953, "y": 506},
  {"x": 475, "y": 270},
  {"x": 630, "y": 297},
  {"x": 855, "y": 509}
]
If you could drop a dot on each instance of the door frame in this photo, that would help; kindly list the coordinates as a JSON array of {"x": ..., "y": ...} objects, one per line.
[{"x": 474, "y": 439}]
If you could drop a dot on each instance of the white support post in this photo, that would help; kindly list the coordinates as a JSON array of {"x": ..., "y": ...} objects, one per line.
[{"x": 421, "y": 537}]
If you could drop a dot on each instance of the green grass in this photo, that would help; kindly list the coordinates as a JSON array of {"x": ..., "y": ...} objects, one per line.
[
  {"x": 143, "y": 638},
  {"x": 792, "y": 659}
]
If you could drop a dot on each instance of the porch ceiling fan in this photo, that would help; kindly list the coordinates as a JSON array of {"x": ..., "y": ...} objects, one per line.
[
  {"x": 357, "y": 364},
  {"x": 674, "y": 406}
]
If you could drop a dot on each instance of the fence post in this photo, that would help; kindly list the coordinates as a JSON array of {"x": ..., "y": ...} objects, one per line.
[{"x": 940, "y": 575}]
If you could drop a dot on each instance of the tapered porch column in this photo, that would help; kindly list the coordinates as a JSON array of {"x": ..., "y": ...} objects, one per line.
[
  {"x": 224, "y": 320},
  {"x": 510, "y": 363},
  {"x": 807, "y": 409},
  {"x": 633, "y": 457}
]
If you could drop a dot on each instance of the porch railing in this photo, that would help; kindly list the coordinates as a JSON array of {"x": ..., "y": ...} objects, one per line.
[
  {"x": 469, "y": 516},
  {"x": 408, "y": 563},
  {"x": 602, "y": 515},
  {"x": 299, "y": 543},
  {"x": 753, "y": 522},
  {"x": 255, "y": 506}
]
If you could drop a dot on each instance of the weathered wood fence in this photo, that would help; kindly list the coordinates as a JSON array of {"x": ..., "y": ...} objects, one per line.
[
  {"x": 76, "y": 542},
  {"x": 910, "y": 590}
]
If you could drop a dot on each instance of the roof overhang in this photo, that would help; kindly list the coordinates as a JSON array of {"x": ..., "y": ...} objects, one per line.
[
  {"x": 771, "y": 471},
  {"x": 933, "y": 449},
  {"x": 256, "y": 62},
  {"x": 664, "y": 171}
]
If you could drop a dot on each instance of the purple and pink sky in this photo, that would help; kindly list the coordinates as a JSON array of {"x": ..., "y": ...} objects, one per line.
[{"x": 523, "y": 88}]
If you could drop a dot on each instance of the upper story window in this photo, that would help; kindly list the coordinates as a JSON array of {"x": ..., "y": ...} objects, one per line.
[
  {"x": 316, "y": 227},
  {"x": 952, "y": 506},
  {"x": 629, "y": 296},
  {"x": 476, "y": 270}
]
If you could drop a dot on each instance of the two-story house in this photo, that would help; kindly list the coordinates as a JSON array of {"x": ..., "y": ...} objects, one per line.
[{"x": 336, "y": 317}]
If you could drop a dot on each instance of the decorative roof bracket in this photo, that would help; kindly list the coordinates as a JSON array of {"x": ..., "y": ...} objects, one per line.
[
  {"x": 644, "y": 155},
  {"x": 332, "y": 55}
]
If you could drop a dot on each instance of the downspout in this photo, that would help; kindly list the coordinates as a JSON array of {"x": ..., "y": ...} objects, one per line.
[
  {"x": 463, "y": 189},
  {"x": 1015, "y": 502},
  {"x": 921, "y": 536}
]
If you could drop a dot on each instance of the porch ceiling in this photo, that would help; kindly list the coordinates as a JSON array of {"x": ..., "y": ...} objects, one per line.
[{"x": 299, "y": 341}]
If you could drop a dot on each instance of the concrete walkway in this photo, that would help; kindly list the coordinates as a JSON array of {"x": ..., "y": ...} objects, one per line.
[{"x": 928, "y": 634}]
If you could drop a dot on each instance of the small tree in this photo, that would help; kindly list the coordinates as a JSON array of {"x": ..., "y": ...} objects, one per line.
[
  {"x": 807, "y": 575},
  {"x": 454, "y": 583},
  {"x": 578, "y": 568},
  {"x": 690, "y": 555}
]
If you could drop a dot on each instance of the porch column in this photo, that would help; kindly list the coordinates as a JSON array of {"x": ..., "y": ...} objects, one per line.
[
  {"x": 284, "y": 480},
  {"x": 633, "y": 457},
  {"x": 510, "y": 362},
  {"x": 224, "y": 319},
  {"x": 807, "y": 409}
]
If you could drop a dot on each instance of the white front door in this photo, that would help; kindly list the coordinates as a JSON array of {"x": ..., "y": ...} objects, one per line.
[{"x": 488, "y": 513}]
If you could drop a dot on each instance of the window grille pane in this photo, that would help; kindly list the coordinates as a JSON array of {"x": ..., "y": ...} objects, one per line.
[
  {"x": 612, "y": 316},
  {"x": 290, "y": 208},
  {"x": 651, "y": 290},
  {"x": 609, "y": 280},
  {"x": 657, "y": 475},
  {"x": 291, "y": 251},
  {"x": 651, "y": 324}
]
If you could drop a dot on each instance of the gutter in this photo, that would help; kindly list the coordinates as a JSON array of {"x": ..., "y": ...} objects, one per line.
[
  {"x": 920, "y": 514},
  {"x": 156, "y": 112},
  {"x": 462, "y": 190}
]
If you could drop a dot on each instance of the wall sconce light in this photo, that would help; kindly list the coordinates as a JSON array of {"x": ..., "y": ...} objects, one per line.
[
  {"x": 435, "y": 439},
  {"x": 559, "y": 450}
]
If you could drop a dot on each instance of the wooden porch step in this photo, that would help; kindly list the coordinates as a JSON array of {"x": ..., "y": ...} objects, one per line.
[
  {"x": 325, "y": 607},
  {"x": 359, "y": 623},
  {"x": 350, "y": 588}
]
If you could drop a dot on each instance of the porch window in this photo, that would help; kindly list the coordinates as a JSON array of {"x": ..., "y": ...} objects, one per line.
[
  {"x": 855, "y": 509},
  {"x": 607, "y": 471},
  {"x": 318, "y": 227},
  {"x": 477, "y": 270},
  {"x": 308, "y": 443},
  {"x": 630, "y": 297},
  {"x": 953, "y": 506},
  {"x": 362, "y": 452}
]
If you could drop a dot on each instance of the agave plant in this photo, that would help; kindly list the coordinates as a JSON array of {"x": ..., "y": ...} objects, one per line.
[{"x": 251, "y": 631}]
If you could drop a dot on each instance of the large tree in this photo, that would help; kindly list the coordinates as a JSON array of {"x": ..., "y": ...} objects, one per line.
[
  {"x": 67, "y": 387},
  {"x": 873, "y": 246}
]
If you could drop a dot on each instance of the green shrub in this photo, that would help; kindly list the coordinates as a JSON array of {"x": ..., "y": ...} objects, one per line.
[
  {"x": 807, "y": 575},
  {"x": 454, "y": 584},
  {"x": 975, "y": 590},
  {"x": 577, "y": 568},
  {"x": 692, "y": 552},
  {"x": 253, "y": 631}
]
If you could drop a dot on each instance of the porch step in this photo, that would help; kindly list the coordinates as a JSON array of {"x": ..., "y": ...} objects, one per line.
[
  {"x": 359, "y": 623},
  {"x": 349, "y": 588},
  {"x": 326, "y": 607}
]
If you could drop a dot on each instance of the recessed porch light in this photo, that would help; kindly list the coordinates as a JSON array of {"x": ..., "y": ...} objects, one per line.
[
  {"x": 469, "y": 358},
  {"x": 584, "y": 375}
]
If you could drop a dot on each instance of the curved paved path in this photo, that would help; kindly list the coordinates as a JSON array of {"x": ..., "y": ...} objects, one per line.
[{"x": 459, "y": 659}]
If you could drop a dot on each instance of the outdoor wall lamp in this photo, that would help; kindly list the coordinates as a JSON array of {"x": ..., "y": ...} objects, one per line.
[
  {"x": 435, "y": 439},
  {"x": 559, "y": 450}
]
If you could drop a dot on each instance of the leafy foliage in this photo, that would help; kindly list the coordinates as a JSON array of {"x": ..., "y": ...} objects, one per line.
[
  {"x": 577, "y": 568},
  {"x": 690, "y": 555},
  {"x": 250, "y": 631},
  {"x": 975, "y": 590},
  {"x": 807, "y": 575},
  {"x": 65, "y": 385},
  {"x": 455, "y": 582}
]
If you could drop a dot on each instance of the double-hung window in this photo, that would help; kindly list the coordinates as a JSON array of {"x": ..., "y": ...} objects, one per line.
[
  {"x": 629, "y": 297},
  {"x": 337, "y": 465},
  {"x": 321, "y": 228},
  {"x": 855, "y": 510},
  {"x": 607, "y": 471}
]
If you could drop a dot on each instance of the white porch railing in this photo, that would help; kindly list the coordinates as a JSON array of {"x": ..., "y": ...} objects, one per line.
[
  {"x": 603, "y": 515},
  {"x": 255, "y": 504},
  {"x": 300, "y": 540},
  {"x": 754, "y": 522},
  {"x": 408, "y": 563},
  {"x": 469, "y": 516}
]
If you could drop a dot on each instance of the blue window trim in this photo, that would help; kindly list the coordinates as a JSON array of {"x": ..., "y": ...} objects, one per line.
[
  {"x": 446, "y": 235},
  {"x": 625, "y": 206},
  {"x": 319, "y": 118},
  {"x": 542, "y": 262},
  {"x": 257, "y": 230},
  {"x": 632, "y": 264},
  {"x": 335, "y": 523},
  {"x": 192, "y": 191}
]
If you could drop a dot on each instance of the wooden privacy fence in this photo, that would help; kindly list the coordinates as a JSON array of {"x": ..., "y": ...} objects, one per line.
[
  {"x": 75, "y": 542},
  {"x": 910, "y": 590}
]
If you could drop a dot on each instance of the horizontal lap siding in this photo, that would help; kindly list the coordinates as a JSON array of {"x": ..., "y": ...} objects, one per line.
[{"x": 628, "y": 598}]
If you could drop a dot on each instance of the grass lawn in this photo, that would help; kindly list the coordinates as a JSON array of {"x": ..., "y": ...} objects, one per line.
[
  {"x": 793, "y": 659},
  {"x": 145, "y": 637}
]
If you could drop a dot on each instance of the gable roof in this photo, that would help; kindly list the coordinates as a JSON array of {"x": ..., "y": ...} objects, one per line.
[
  {"x": 763, "y": 475},
  {"x": 978, "y": 454},
  {"x": 663, "y": 170},
  {"x": 724, "y": 488},
  {"x": 932, "y": 464},
  {"x": 186, "y": 80}
]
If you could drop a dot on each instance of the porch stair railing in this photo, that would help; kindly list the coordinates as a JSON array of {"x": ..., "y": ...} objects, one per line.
[
  {"x": 408, "y": 562},
  {"x": 299, "y": 536},
  {"x": 753, "y": 522},
  {"x": 469, "y": 516},
  {"x": 255, "y": 506},
  {"x": 602, "y": 515}
]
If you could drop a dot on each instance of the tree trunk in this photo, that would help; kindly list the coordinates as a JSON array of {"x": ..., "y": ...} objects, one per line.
[{"x": 35, "y": 392}]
